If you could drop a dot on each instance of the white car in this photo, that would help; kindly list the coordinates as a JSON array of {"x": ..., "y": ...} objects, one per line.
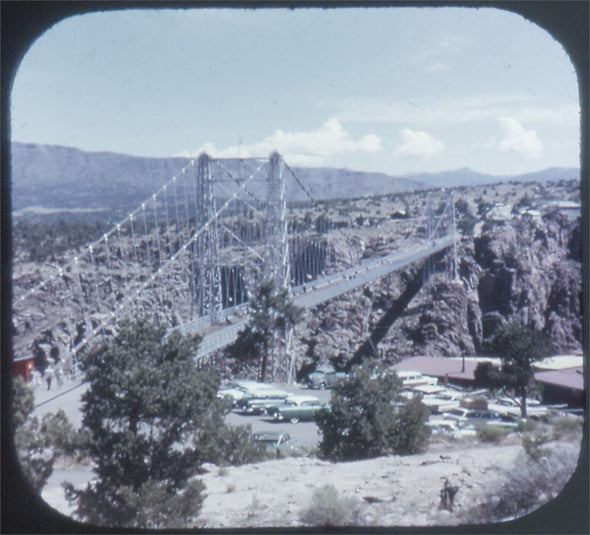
[
  {"x": 448, "y": 428},
  {"x": 463, "y": 417},
  {"x": 411, "y": 379}
]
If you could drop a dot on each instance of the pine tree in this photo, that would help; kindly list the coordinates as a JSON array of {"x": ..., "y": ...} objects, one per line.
[
  {"x": 152, "y": 416},
  {"x": 271, "y": 311},
  {"x": 518, "y": 347}
]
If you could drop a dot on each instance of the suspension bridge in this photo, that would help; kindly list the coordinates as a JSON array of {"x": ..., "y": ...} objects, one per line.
[{"x": 191, "y": 256}]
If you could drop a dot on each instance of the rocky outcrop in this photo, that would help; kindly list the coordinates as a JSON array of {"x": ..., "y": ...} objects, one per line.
[
  {"x": 443, "y": 328},
  {"x": 527, "y": 277},
  {"x": 522, "y": 271}
]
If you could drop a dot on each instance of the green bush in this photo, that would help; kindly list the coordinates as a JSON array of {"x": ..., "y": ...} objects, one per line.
[
  {"x": 532, "y": 445},
  {"x": 491, "y": 433},
  {"x": 526, "y": 426},
  {"x": 327, "y": 508},
  {"x": 369, "y": 417},
  {"x": 231, "y": 445},
  {"x": 568, "y": 428}
]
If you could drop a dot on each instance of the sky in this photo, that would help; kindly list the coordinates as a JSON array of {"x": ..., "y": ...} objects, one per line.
[{"x": 393, "y": 90}]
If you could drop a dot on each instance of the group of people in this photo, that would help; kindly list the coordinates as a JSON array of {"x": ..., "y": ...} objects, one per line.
[{"x": 52, "y": 372}]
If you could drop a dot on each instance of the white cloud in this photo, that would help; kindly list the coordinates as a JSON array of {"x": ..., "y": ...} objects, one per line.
[
  {"x": 418, "y": 143},
  {"x": 301, "y": 148},
  {"x": 458, "y": 110},
  {"x": 517, "y": 139}
]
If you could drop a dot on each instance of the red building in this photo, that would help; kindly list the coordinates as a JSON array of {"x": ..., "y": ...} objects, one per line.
[{"x": 22, "y": 367}]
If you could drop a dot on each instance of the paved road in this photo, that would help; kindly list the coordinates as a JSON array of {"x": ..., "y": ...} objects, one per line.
[{"x": 65, "y": 397}]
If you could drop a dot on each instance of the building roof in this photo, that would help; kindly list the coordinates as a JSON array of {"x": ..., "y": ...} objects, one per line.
[
  {"x": 444, "y": 366},
  {"x": 560, "y": 362},
  {"x": 20, "y": 359},
  {"x": 572, "y": 378},
  {"x": 555, "y": 371}
]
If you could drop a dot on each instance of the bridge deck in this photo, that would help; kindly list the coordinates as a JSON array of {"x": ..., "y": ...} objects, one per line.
[{"x": 318, "y": 291}]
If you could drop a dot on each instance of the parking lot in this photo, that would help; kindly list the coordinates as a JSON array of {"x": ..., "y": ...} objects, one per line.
[
  {"x": 305, "y": 432},
  {"x": 67, "y": 397}
]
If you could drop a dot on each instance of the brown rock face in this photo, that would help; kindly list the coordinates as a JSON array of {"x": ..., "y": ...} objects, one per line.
[{"x": 528, "y": 277}]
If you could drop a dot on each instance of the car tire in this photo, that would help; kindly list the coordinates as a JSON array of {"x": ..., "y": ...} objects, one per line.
[
  {"x": 322, "y": 386},
  {"x": 294, "y": 419}
]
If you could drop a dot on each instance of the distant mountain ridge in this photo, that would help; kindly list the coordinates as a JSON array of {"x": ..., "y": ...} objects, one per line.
[
  {"x": 468, "y": 177},
  {"x": 56, "y": 177}
]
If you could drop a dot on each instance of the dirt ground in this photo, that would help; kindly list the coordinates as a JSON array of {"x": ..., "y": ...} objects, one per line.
[{"x": 392, "y": 491}]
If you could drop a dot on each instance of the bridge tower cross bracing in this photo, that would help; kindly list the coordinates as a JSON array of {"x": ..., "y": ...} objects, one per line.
[
  {"x": 206, "y": 271},
  {"x": 276, "y": 254}
]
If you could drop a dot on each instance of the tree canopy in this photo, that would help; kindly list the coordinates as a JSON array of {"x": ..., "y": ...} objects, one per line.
[
  {"x": 270, "y": 312},
  {"x": 518, "y": 347},
  {"x": 154, "y": 419},
  {"x": 38, "y": 442},
  {"x": 369, "y": 417}
]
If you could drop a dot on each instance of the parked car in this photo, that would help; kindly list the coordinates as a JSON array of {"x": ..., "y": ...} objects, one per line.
[
  {"x": 412, "y": 378},
  {"x": 448, "y": 428},
  {"x": 296, "y": 408},
  {"x": 232, "y": 394},
  {"x": 442, "y": 401},
  {"x": 511, "y": 402},
  {"x": 465, "y": 416},
  {"x": 322, "y": 380},
  {"x": 276, "y": 441},
  {"x": 261, "y": 401},
  {"x": 242, "y": 389}
]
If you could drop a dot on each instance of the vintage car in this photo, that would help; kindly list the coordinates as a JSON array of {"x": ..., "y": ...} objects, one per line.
[
  {"x": 276, "y": 441},
  {"x": 232, "y": 394},
  {"x": 236, "y": 391},
  {"x": 296, "y": 408},
  {"x": 412, "y": 379},
  {"x": 323, "y": 379},
  {"x": 261, "y": 401},
  {"x": 446, "y": 428},
  {"x": 464, "y": 417},
  {"x": 443, "y": 400}
]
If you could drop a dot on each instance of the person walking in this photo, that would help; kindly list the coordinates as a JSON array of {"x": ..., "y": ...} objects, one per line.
[{"x": 49, "y": 377}]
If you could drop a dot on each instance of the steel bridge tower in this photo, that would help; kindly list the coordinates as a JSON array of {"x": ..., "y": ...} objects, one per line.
[
  {"x": 276, "y": 254},
  {"x": 276, "y": 260},
  {"x": 434, "y": 228},
  {"x": 206, "y": 272}
]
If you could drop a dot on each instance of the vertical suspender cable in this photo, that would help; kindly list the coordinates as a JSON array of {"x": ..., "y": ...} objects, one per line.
[
  {"x": 157, "y": 229},
  {"x": 147, "y": 239}
]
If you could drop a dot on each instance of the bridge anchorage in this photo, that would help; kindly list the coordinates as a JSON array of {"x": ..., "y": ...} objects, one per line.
[{"x": 191, "y": 256}]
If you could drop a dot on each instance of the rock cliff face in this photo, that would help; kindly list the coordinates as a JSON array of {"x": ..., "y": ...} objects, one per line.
[{"x": 524, "y": 271}]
